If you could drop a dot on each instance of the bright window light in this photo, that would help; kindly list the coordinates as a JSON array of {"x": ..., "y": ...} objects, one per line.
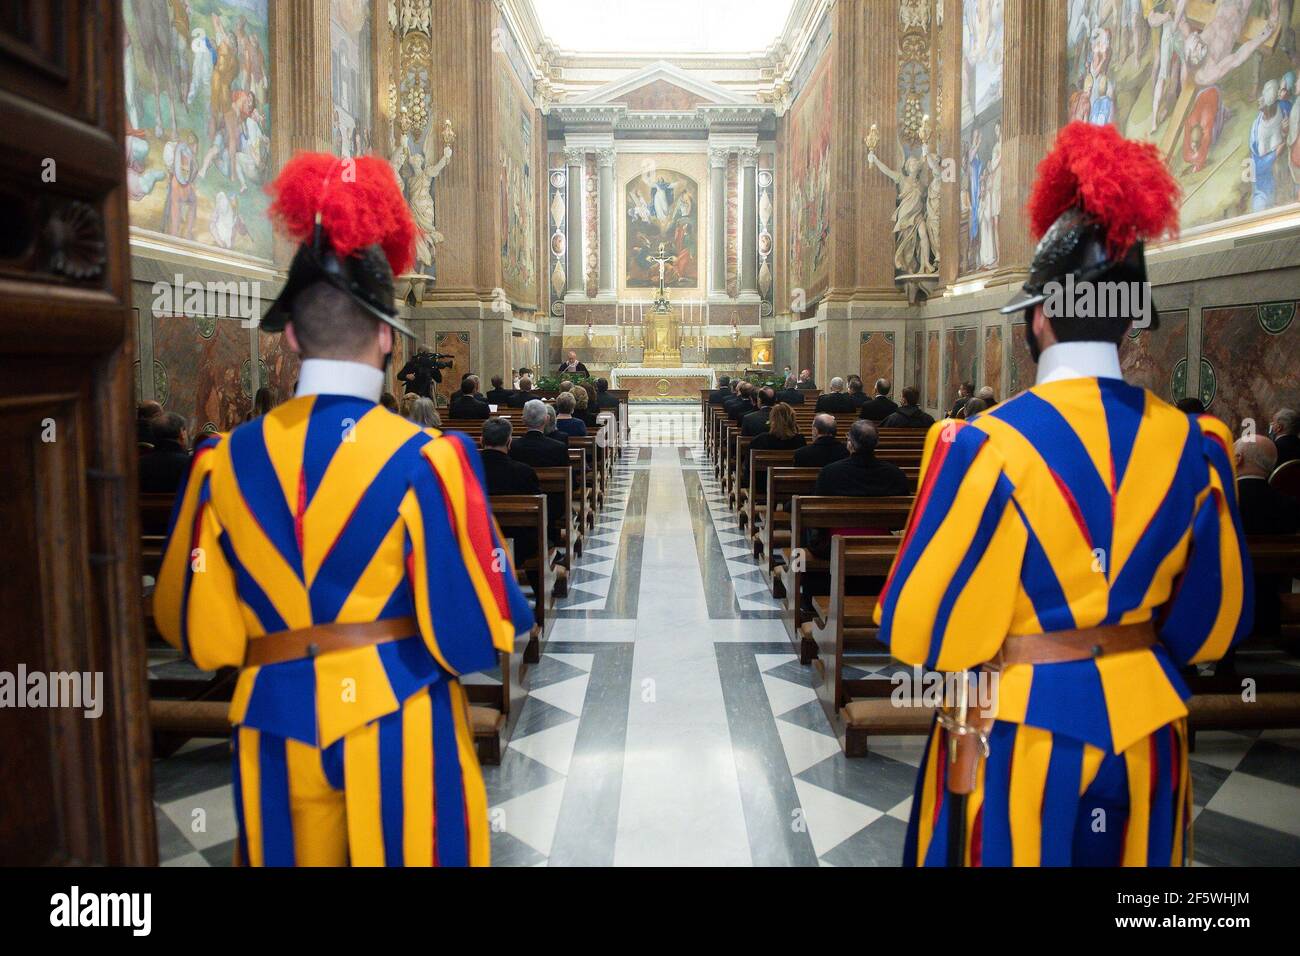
[{"x": 665, "y": 26}]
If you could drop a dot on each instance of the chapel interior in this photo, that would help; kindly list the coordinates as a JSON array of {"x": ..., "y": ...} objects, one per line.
[{"x": 669, "y": 194}]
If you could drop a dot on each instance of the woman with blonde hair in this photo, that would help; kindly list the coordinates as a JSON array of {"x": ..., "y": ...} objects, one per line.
[
  {"x": 782, "y": 431},
  {"x": 583, "y": 407},
  {"x": 408, "y": 403}
]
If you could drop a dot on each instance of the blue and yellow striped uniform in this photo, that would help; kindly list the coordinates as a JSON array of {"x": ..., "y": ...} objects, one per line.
[
  {"x": 1081, "y": 502},
  {"x": 333, "y": 509}
]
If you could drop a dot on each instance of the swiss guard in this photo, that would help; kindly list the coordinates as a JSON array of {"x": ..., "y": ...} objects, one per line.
[
  {"x": 347, "y": 562},
  {"x": 1081, "y": 542}
]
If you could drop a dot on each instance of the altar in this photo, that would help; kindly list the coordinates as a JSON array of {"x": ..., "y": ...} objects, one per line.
[{"x": 666, "y": 385}]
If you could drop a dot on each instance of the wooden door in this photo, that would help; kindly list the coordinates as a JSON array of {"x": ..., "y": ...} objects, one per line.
[{"x": 74, "y": 789}]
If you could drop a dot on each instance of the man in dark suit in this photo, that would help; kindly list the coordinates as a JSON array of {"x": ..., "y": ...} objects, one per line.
[
  {"x": 604, "y": 400},
  {"x": 1285, "y": 432},
  {"x": 861, "y": 474},
  {"x": 719, "y": 394},
  {"x": 755, "y": 423},
  {"x": 164, "y": 468},
  {"x": 521, "y": 396},
  {"x": 857, "y": 395},
  {"x": 880, "y": 406},
  {"x": 835, "y": 401},
  {"x": 965, "y": 392},
  {"x": 466, "y": 404},
  {"x": 789, "y": 393},
  {"x": 497, "y": 394},
  {"x": 806, "y": 380},
  {"x": 504, "y": 475},
  {"x": 534, "y": 448},
  {"x": 826, "y": 448},
  {"x": 1264, "y": 510},
  {"x": 571, "y": 365},
  {"x": 742, "y": 404},
  {"x": 910, "y": 414}
]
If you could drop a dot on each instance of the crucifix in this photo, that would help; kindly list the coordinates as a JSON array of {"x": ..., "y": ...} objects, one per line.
[{"x": 661, "y": 301}]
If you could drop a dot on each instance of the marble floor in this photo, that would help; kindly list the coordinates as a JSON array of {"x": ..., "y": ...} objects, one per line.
[{"x": 669, "y": 723}]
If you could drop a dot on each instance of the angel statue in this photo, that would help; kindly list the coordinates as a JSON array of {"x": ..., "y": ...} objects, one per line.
[
  {"x": 425, "y": 165},
  {"x": 912, "y": 251}
]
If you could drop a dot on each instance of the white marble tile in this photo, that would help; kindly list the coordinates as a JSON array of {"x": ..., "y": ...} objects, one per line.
[
  {"x": 207, "y": 819},
  {"x": 830, "y": 818}
]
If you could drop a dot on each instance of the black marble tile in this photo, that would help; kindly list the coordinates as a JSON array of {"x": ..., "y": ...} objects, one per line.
[
  {"x": 223, "y": 854},
  {"x": 190, "y": 773},
  {"x": 876, "y": 780},
  {"x": 880, "y": 843},
  {"x": 536, "y": 716},
  {"x": 1272, "y": 761},
  {"x": 1222, "y": 840},
  {"x": 515, "y": 776},
  {"x": 767, "y": 792},
  {"x": 587, "y": 827},
  {"x": 508, "y": 850},
  {"x": 1206, "y": 781},
  {"x": 172, "y": 842},
  {"x": 810, "y": 716},
  {"x": 795, "y": 673},
  {"x": 550, "y": 670}
]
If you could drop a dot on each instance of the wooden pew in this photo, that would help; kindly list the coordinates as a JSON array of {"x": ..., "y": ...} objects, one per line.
[
  {"x": 756, "y": 471},
  {"x": 783, "y": 483},
  {"x": 825, "y": 514},
  {"x": 528, "y": 512},
  {"x": 856, "y": 708},
  {"x": 559, "y": 481}
]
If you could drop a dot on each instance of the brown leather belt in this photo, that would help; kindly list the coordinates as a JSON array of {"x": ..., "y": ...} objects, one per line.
[
  {"x": 1060, "y": 647},
  {"x": 968, "y": 732},
  {"x": 284, "y": 646}
]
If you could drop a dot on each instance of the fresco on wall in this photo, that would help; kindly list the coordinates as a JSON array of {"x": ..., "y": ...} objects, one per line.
[
  {"x": 1248, "y": 361},
  {"x": 1158, "y": 359},
  {"x": 993, "y": 360},
  {"x": 350, "y": 77},
  {"x": 517, "y": 191},
  {"x": 876, "y": 357},
  {"x": 809, "y": 137},
  {"x": 981, "y": 134},
  {"x": 961, "y": 362},
  {"x": 1211, "y": 83},
  {"x": 663, "y": 207},
  {"x": 203, "y": 370},
  {"x": 1023, "y": 368},
  {"x": 198, "y": 147},
  {"x": 279, "y": 364}
]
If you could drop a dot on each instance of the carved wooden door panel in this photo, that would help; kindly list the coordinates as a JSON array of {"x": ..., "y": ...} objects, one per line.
[{"x": 74, "y": 787}]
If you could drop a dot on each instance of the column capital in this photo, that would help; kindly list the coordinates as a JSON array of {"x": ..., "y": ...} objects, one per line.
[
  {"x": 605, "y": 156},
  {"x": 574, "y": 156},
  {"x": 718, "y": 156},
  {"x": 748, "y": 155}
]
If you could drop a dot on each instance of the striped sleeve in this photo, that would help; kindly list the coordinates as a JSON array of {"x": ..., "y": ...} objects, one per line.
[
  {"x": 195, "y": 601},
  {"x": 949, "y": 597},
  {"x": 1213, "y": 606},
  {"x": 466, "y": 598}
]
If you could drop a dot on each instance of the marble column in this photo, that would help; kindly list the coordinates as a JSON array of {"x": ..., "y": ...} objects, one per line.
[
  {"x": 749, "y": 221},
  {"x": 718, "y": 220},
  {"x": 575, "y": 265},
  {"x": 608, "y": 234}
]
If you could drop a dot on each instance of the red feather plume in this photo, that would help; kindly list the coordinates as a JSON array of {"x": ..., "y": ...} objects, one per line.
[
  {"x": 1122, "y": 183},
  {"x": 358, "y": 200}
]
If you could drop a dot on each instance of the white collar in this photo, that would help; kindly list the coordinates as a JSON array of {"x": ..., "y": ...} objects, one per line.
[
  {"x": 335, "y": 377},
  {"x": 1078, "y": 360}
]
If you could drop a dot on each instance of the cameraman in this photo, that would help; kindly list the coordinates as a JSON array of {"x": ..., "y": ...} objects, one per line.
[{"x": 422, "y": 372}]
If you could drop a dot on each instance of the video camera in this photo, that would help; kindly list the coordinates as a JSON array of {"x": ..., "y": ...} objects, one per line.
[{"x": 435, "y": 359}]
